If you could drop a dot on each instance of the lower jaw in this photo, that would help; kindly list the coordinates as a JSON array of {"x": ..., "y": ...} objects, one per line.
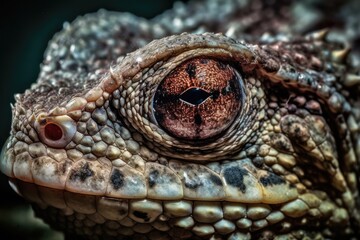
[
  {"x": 98, "y": 217},
  {"x": 85, "y": 226}
]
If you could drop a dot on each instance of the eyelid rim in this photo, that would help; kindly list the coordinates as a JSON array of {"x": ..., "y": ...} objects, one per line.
[
  {"x": 170, "y": 65},
  {"x": 162, "y": 140},
  {"x": 66, "y": 123},
  {"x": 131, "y": 74}
]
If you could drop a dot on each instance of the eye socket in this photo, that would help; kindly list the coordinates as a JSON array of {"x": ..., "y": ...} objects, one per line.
[
  {"x": 53, "y": 132},
  {"x": 56, "y": 131},
  {"x": 199, "y": 99}
]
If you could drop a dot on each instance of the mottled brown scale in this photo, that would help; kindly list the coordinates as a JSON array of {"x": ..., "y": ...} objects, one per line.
[{"x": 199, "y": 99}]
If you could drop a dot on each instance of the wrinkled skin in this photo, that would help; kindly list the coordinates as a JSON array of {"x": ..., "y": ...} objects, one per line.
[{"x": 87, "y": 150}]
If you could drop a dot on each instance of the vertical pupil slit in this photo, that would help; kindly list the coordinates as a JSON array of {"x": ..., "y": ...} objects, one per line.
[{"x": 53, "y": 132}]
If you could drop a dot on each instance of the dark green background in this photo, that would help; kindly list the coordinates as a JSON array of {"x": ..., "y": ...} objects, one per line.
[{"x": 26, "y": 27}]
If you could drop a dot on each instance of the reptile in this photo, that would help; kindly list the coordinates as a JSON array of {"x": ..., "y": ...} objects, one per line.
[{"x": 214, "y": 120}]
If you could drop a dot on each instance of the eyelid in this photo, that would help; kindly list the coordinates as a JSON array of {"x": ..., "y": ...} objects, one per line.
[
  {"x": 138, "y": 85},
  {"x": 64, "y": 123}
]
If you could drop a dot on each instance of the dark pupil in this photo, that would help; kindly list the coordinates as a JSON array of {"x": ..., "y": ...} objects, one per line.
[
  {"x": 194, "y": 96},
  {"x": 53, "y": 132},
  {"x": 199, "y": 99}
]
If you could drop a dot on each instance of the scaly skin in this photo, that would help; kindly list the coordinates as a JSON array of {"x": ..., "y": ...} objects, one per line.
[{"x": 87, "y": 150}]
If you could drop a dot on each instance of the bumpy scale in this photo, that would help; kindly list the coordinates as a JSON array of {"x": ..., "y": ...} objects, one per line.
[{"x": 249, "y": 133}]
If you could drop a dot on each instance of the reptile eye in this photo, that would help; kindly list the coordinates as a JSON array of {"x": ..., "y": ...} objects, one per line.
[
  {"x": 199, "y": 99},
  {"x": 55, "y": 132}
]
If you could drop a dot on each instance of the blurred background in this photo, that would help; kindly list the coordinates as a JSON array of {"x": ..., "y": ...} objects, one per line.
[{"x": 26, "y": 27}]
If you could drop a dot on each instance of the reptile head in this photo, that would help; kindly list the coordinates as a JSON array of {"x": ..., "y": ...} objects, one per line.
[{"x": 190, "y": 136}]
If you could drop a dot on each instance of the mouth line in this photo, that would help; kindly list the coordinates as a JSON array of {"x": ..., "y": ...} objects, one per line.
[
  {"x": 128, "y": 212},
  {"x": 238, "y": 195},
  {"x": 237, "y": 181}
]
